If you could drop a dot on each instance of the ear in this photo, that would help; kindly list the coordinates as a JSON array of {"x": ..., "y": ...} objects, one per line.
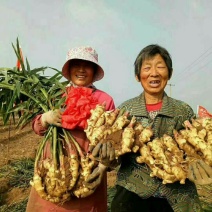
[{"x": 136, "y": 77}]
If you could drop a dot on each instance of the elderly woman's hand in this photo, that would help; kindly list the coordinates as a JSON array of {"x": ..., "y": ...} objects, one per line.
[{"x": 200, "y": 173}]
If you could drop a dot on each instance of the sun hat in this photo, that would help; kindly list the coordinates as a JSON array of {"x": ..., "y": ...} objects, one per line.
[{"x": 83, "y": 53}]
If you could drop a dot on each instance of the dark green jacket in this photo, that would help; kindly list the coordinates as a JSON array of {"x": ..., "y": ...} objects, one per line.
[{"x": 135, "y": 177}]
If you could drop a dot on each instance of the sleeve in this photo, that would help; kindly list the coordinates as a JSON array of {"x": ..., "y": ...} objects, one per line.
[
  {"x": 110, "y": 105},
  {"x": 124, "y": 106},
  {"x": 37, "y": 126},
  {"x": 185, "y": 112},
  {"x": 103, "y": 97},
  {"x": 190, "y": 113}
]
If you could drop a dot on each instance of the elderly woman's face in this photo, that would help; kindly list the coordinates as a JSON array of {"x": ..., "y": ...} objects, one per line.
[
  {"x": 154, "y": 75},
  {"x": 81, "y": 72}
]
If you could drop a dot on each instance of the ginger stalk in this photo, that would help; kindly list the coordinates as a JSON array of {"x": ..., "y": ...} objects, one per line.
[
  {"x": 85, "y": 169},
  {"x": 73, "y": 159}
]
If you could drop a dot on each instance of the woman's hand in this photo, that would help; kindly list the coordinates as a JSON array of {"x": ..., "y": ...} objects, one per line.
[
  {"x": 200, "y": 173},
  {"x": 52, "y": 117},
  {"x": 95, "y": 178},
  {"x": 104, "y": 153}
]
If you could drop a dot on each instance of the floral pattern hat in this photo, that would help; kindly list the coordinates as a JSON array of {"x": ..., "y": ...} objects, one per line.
[{"x": 83, "y": 53}]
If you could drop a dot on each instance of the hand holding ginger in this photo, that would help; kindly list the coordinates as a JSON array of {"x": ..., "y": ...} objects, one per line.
[
  {"x": 104, "y": 153},
  {"x": 95, "y": 178},
  {"x": 200, "y": 173},
  {"x": 52, "y": 117}
]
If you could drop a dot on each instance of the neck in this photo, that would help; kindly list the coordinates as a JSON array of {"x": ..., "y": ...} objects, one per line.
[
  {"x": 153, "y": 99},
  {"x": 74, "y": 85}
]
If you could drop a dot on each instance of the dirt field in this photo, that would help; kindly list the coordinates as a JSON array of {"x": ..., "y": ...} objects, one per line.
[{"x": 19, "y": 144}]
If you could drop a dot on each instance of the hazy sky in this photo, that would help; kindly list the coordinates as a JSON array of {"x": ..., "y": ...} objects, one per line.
[{"x": 118, "y": 30}]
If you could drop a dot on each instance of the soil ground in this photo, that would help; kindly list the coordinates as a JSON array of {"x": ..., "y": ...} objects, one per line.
[{"x": 16, "y": 145}]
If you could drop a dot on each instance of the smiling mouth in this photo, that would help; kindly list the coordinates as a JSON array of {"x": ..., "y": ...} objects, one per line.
[
  {"x": 155, "y": 82},
  {"x": 81, "y": 76}
]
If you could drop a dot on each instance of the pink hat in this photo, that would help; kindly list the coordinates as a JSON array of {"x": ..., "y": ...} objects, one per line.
[{"x": 83, "y": 53}]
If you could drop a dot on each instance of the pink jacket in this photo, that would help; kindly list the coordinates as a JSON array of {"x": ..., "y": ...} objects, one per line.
[{"x": 97, "y": 202}]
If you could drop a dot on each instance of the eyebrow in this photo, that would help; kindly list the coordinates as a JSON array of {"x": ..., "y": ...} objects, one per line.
[{"x": 148, "y": 63}]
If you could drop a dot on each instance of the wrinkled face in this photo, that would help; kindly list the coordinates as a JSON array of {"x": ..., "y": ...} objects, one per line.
[
  {"x": 81, "y": 72},
  {"x": 154, "y": 75}
]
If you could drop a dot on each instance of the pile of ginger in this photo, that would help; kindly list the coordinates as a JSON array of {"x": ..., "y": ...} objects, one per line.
[
  {"x": 168, "y": 158},
  {"x": 59, "y": 179}
]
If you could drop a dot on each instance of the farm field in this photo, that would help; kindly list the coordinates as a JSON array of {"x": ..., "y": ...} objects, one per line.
[{"x": 17, "y": 153}]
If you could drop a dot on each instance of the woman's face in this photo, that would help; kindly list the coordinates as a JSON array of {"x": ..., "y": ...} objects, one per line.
[
  {"x": 154, "y": 75},
  {"x": 81, "y": 72}
]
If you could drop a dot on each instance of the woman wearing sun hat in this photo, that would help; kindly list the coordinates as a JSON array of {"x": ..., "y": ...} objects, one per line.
[{"x": 82, "y": 70}]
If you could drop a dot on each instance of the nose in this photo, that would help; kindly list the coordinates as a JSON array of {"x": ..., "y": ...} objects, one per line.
[
  {"x": 154, "y": 71},
  {"x": 81, "y": 68}
]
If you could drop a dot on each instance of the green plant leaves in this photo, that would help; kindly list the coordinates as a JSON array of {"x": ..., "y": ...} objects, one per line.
[{"x": 28, "y": 92}]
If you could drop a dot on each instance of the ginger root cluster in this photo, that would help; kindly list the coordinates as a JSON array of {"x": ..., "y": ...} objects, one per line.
[
  {"x": 168, "y": 158},
  {"x": 63, "y": 174}
]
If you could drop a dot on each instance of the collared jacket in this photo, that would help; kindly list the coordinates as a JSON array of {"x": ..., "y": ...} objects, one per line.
[{"x": 136, "y": 177}]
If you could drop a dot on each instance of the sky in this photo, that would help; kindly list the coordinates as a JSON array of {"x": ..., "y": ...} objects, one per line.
[{"x": 118, "y": 30}]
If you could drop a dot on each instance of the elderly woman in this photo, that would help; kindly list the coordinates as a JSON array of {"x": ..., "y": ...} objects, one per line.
[{"x": 136, "y": 190}]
